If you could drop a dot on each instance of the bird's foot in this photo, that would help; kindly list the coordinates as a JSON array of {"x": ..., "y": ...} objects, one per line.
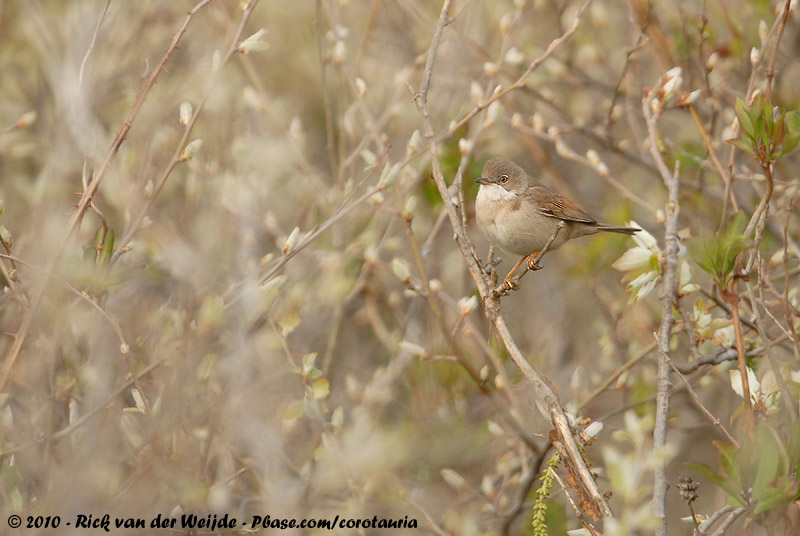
[
  {"x": 533, "y": 263},
  {"x": 510, "y": 283}
]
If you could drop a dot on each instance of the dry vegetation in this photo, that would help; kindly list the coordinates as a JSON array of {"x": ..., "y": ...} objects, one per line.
[{"x": 278, "y": 321}]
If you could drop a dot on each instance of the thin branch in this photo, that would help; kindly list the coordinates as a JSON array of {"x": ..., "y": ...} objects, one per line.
[
  {"x": 715, "y": 421},
  {"x": 91, "y": 45},
  {"x": 771, "y": 66},
  {"x": 651, "y": 107}
]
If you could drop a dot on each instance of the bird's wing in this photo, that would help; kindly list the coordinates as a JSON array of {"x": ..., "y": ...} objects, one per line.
[{"x": 557, "y": 206}]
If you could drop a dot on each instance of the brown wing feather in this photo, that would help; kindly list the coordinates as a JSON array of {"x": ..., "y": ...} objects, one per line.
[{"x": 557, "y": 206}]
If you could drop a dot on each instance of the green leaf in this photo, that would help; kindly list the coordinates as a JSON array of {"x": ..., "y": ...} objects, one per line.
[
  {"x": 744, "y": 118},
  {"x": 778, "y": 494},
  {"x": 761, "y": 132},
  {"x": 793, "y": 121},
  {"x": 730, "y": 465},
  {"x": 778, "y": 132},
  {"x": 707, "y": 471},
  {"x": 772, "y": 461},
  {"x": 717, "y": 254},
  {"x": 744, "y": 145},
  {"x": 790, "y": 142},
  {"x": 767, "y": 115},
  {"x": 732, "y": 243},
  {"x": 108, "y": 247}
]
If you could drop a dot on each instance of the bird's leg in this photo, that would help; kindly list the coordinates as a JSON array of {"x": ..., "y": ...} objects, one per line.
[
  {"x": 508, "y": 284},
  {"x": 533, "y": 259}
]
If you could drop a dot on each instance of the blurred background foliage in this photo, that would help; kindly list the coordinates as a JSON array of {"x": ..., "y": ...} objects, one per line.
[{"x": 255, "y": 339}]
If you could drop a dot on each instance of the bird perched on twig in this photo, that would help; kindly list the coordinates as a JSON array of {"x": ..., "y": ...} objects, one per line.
[{"x": 521, "y": 216}]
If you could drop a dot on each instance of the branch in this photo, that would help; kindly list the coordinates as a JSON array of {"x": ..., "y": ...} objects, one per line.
[
  {"x": 651, "y": 108},
  {"x": 546, "y": 399}
]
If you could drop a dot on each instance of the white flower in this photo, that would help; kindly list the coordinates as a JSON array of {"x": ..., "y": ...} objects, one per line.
[
  {"x": 644, "y": 239},
  {"x": 765, "y": 394},
  {"x": 643, "y": 263},
  {"x": 254, "y": 43},
  {"x": 643, "y": 285},
  {"x": 672, "y": 82},
  {"x": 592, "y": 431},
  {"x": 686, "y": 286},
  {"x": 637, "y": 257}
]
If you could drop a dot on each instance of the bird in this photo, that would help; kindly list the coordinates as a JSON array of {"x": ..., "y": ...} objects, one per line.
[{"x": 521, "y": 216}]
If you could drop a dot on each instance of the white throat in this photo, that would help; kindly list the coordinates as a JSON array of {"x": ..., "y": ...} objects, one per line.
[{"x": 495, "y": 192}]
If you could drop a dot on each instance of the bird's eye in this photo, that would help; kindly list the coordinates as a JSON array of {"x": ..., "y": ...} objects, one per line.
[{"x": 502, "y": 179}]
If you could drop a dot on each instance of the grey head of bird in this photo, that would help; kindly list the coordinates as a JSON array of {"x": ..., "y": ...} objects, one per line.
[{"x": 505, "y": 173}]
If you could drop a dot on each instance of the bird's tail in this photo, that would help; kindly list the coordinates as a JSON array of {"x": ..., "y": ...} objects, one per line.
[{"x": 614, "y": 229}]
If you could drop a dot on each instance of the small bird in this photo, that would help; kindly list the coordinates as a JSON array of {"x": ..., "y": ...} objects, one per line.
[{"x": 520, "y": 216}]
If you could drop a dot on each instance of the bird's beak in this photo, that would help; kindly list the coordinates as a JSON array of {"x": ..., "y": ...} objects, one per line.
[{"x": 484, "y": 180}]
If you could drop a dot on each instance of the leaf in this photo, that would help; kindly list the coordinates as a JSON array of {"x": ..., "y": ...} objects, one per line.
[
  {"x": 321, "y": 388},
  {"x": 744, "y": 118},
  {"x": 778, "y": 132},
  {"x": 790, "y": 142},
  {"x": 772, "y": 461},
  {"x": 730, "y": 464},
  {"x": 295, "y": 410},
  {"x": 793, "y": 121},
  {"x": 108, "y": 247},
  {"x": 761, "y": 132},
  {"x": 717, "y": 254},
  {"x": 308, "y": 362},
  {"x": 778, "y": 494},
  {"x": 742, "y": 144},
  {"x": 289, "y": 323}
]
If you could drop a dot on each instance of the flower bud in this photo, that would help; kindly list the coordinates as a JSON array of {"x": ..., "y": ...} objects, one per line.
[
  {"x": 401, "y": 270},
  {"x": 754, "y": 55},
  {"x": 185, "y": 113}
]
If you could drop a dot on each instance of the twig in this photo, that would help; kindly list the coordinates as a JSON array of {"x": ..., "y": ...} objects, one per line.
[
  {"x": 774, "y": 54},
  {"x": 668, "y": 298},
  {"x": 616, "y": 374},
  {"x": 707, "y": 524},
  {"x": 715, "y": 421},
  {"x": 730, "y": 520},
  {"x": 788, "y": 400},
  {"x": 91, "y": 45}
]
